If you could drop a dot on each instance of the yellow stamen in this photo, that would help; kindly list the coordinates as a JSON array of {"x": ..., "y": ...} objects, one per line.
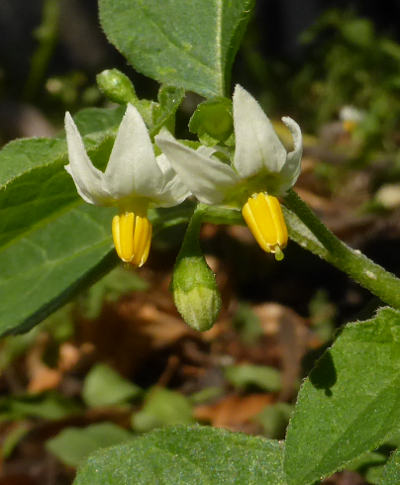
[
  {"x": 349, "y": 125},
  {"x": 263, "y": 215},
  {"x": 132, "y": 237}
]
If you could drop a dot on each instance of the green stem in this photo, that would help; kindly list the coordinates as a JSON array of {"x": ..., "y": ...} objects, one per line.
[
  {"x": 46, "y": 35},
  {"x": 325, "y": 244},
  {"x": 309, "y": 232}
]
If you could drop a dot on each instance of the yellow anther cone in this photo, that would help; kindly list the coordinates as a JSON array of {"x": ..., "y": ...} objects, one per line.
[
  {"x": 264, "y": 217},
  {"x": 132, "y": 237},
  {"x": 349, "y": 125}
]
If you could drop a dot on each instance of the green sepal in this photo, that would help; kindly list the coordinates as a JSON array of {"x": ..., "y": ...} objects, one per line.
[{"x": 163, "y": 113}]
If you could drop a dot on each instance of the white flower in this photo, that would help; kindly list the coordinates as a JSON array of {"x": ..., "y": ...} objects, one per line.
[
  {"x": 133, "y": 181},
  {"x": 350, "y": 116},
  {"x": 351, "y": 113},
  {"x": 261, "y": 170}
]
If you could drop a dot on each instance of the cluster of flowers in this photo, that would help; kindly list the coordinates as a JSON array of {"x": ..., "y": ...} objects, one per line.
[{"x": 136, "y": 180}]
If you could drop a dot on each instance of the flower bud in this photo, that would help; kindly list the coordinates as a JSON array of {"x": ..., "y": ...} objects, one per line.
[
  {"x": 212, "y": 120},
  {"x": 194, "y": 288},
  {"x": 116, "y": 86}
]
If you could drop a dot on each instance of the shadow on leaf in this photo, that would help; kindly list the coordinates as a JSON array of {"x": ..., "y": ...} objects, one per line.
[{"x": 323, "y": 376}]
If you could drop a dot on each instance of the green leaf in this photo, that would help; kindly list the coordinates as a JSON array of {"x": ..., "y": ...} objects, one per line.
[
  {"x": 164, "y": 41},
  {"x": 370, "y": 465},
  {"x": 91, "y": 120},
  {"x": 248, "y": 375},
  {"x": 187, "y": 456},
  {"x": 247, "y": 324},
  {"x": 51, "y": 242},
  {"x": 13, "y": 438},
  {"x": 391, "y": 472},
  {"x": 350, "y": 401},
  {"x": 105, "y": 387},
  {"x": 207, "y": 394},
  {"x": 73, "y": 445},
  {"x": 50, "y": 405},
  {"x": 162, "y": 407},
  {"x": 47, "y": 266}
]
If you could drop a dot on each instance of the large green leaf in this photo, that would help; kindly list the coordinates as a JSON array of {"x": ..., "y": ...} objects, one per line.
[
  {"x": 187, "y": 455},
  {"x": 51, "y": 242},
  {"x": 186, "y": 44},
  {"x": 350, "y": 401}
]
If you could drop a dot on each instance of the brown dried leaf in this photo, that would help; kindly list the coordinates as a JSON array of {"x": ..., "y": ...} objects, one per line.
[{"x": 233, "y": 412}]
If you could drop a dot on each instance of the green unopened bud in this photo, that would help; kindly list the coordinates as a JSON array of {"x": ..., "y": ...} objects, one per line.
[
  {"x": 194, "y": 288},
  {"x": 116, "y": 86},
  {"x": 212, "y": 120}
]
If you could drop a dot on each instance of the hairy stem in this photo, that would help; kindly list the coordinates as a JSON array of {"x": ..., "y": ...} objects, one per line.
[{"x": 321, "y": 241}]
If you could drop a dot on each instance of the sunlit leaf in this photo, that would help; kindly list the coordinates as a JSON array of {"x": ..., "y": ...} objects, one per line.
[
  {"x": 187, "y": 456},
  {"x": 163, "y": 40},
  {"x": 349, "y": 403},
  {"x": 51, "y": 242}
]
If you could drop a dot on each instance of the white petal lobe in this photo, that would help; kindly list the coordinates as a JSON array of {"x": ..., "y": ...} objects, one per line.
[
  {"x": 132, "y": 168},
  {"x": 174, "y": 191},
  {"x": 206, "y": 178},
  {"x": 257, "y": 145},
  {"x": 291, "y": 169},
  {"x": 89, "y": 181}
]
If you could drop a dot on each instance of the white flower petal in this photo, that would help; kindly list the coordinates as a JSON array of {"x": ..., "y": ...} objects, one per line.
[
  {"x": 174, "y": 191},
  {"x": 89, "y": 181},
  {"x": 206, "y": 151},
  {"x": 132, "y": 168},
  {"x": 291, "y": 169},
  {"x": 206, "y": 178},
  {"x": 257, "y": 145}
]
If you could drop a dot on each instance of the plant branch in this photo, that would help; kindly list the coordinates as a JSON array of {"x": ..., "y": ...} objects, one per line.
[{"x": 325, "y": 244}]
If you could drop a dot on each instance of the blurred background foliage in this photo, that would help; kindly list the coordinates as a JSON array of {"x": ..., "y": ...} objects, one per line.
[{"x": 118, "y": 360}]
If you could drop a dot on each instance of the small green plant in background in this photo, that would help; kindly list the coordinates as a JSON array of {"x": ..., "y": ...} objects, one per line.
[
  {"x": 349, "y": 63},
  {"x": 54, "y": 244}
]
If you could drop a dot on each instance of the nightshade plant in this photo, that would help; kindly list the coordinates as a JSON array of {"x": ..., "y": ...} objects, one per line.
[{"x": 53, "y": 243}]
